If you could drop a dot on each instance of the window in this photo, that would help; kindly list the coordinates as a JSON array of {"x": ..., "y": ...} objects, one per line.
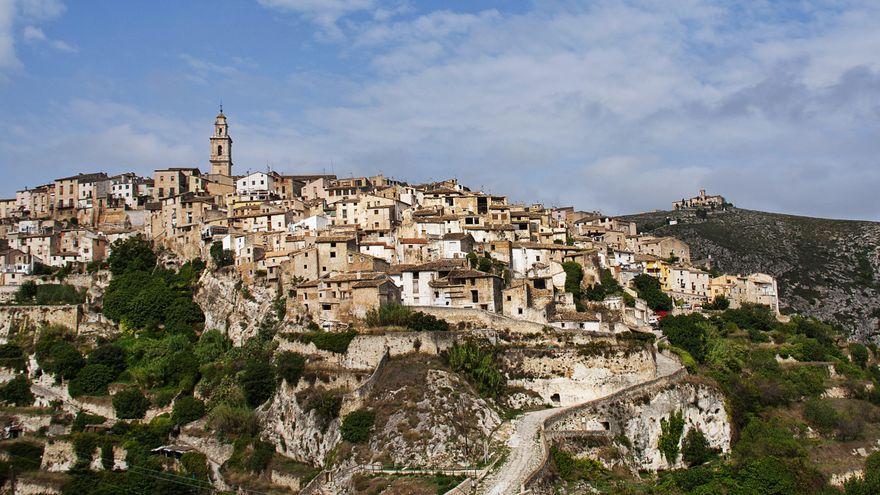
[
  {"x": 220, "y": 150},
  {"x": 332, "y": 254},
  {"x": 519, "y": 311}
]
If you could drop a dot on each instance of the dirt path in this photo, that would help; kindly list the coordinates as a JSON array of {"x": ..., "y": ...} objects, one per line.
[
  {"x": 527, "y": 448},
  {"x": 526, "y": 454}
]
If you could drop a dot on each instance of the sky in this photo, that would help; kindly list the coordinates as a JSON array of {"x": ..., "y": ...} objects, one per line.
[{"x": 618, "y": 106}]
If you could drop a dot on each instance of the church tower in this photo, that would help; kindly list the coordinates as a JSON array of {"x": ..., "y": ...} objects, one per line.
[{"x": 221, "y": 147}]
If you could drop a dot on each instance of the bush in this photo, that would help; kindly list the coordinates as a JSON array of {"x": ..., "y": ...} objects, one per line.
[
  {"x": 399, "y": 315},
  {"x": 17, "y": 392},
  {"x": 257, "y": 381},
  {"x": 12, "y": 356},
  {"x": 91, "y": 380},
  {"x": 859, "y": 354},
  {"x": 130, "y": 403},
  {"x": 356, "y": 426},
  {"x": 187, "y": 409},
  {"x": 253, "y": 456},
  {"x": 58, "y": 357},
  {"x": 820, "y": 414},
  {"x": 326, "y": 403},
  {"x": 23, "y": 456},
  {"x": 195, "y": 464},
  {"x": 695, "y": 448},
  {"x": 290, "y": 366},
  {"x": 83, "y": 418},
  {"x": 478, "y": 364},
  {"x": 574, "y": 274},
  {"x": 230, "y": 422},
  {"x": 222, "y": 257},
  {"x": 648, "y": 288},
  {"x": 573, "y": 469},
  {"x": 689, "y": 332},
  {"x": 110, "y": 355},
  {"x": 719, "y": 303},
  {"x": 131, "y": 255},
  {"x": 670, "y": 436},
  {"x": 336, "y": 342},
  {"x": 26, "y": 292}
]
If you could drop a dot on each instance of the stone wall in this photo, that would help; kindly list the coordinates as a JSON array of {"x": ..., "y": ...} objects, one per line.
[
  {"x": 366, "y": 350},
  {"x": 566, "y": 376},
  {"x": 13, "y": 318}
]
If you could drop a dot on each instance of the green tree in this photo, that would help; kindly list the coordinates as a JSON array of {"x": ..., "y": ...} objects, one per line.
[
  {"x": 187, "y": 409},
  {"x": 670, "y": 436},
  {"x": 257, "y": 380},
  {"x": 357, "y": 425},
  {"x": 648, "y": 288},
  {"x": 689, "y": 332},
  {"x": 130, "y": 403},
  {"x": 17, "y": 392},
  {"x": 131, "y": 254},
  {"x": 290, "y": 366},
  {"x": 110, "y": 355},
  {"x": 859, "y": 354},
  {"x": 222, "y": 257},
  {"x": 91, "y": 380},
  {"x": 695, "y": 449}
]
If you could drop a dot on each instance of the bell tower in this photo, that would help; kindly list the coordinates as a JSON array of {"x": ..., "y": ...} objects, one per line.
[{"x": 221, "y": 147}]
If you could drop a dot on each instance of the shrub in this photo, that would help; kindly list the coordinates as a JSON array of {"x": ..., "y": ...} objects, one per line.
[
  {"x": 187, "y": 409},
  {"x": 859, "y": 354},
  {"x": 222, "y": 257},
  {"x": 336, "y": 342},
  {"x": 290, "y": 366},
  {"x": 58, "y": 357},
  {"x": 719, "y": 303},
  {"x": 91, "y": 380},
  {"x": 689, "y": 332},
  {"x": 763, "y": 438},
  {"x": 110, "y": 355},
  {"x": 478, "y": 364},
  {"x": 231, "y": 422},
  {"x": 12, "y": 356},
  {"x": 252, "y": 456},
  {"x": 26, "y": 292},
  {"x": 83, "y": 418},
  {"x": 648, "y": 288},
  {"x": 17, "y": 391},
  {"x": 356, "y": 426},
  {"x": 130, "y": 255},
  {"x": 326, "y": 403},
  {"x": 195, "y": 464},
  {"x": 571, "y": 468},
  {"x": 399, "y": 315},
  {"x": 257, "y": 380},
  {"x": 695, "y": 448},
  {"x": 130, "y": 403},
  {"x": 574, "y": 274},
  {"x": 24, "y": 456},
  {"x": 670, "y": 436}
]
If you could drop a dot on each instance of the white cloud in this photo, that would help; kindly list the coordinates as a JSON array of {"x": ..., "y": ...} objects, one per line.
[
  {"x": 623, "y": 105},
  {"x": 30, "y": 13},
  {"x": 35, "y": 35},
  {"x": 324, "y": 13}
]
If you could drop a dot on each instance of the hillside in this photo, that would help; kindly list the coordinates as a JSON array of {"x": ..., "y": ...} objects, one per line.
[{"x": 825, "y": 268}]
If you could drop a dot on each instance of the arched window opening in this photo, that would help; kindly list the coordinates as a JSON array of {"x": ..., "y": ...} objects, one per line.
[{"x": 220, "y": 150}]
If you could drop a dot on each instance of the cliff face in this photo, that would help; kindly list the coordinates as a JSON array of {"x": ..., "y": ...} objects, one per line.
[
  {"x": 829, "y": 269},
  {"x": 229, "y": 307},
  {"x": 297, "y": 433},
  {"x": 701, "y": 406},
  {"x": 426, "y": 417}
]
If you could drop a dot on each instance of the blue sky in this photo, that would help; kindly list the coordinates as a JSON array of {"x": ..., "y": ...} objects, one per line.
[{"x": 615, "y": 105}]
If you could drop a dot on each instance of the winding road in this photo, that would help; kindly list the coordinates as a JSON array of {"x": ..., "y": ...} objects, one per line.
[{"x": 527, "y": 447}]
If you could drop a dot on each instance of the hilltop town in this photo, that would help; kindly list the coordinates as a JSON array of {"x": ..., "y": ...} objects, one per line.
[
  {"x": 208, "y": 332},
  {"x": 343, "y": 246}
]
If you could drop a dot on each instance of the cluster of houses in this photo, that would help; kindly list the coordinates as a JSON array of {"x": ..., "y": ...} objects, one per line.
[{"x": 340, "y": 246}]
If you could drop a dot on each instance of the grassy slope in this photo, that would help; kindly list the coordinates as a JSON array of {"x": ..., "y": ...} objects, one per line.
[{"x": 825, "y": 268}]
